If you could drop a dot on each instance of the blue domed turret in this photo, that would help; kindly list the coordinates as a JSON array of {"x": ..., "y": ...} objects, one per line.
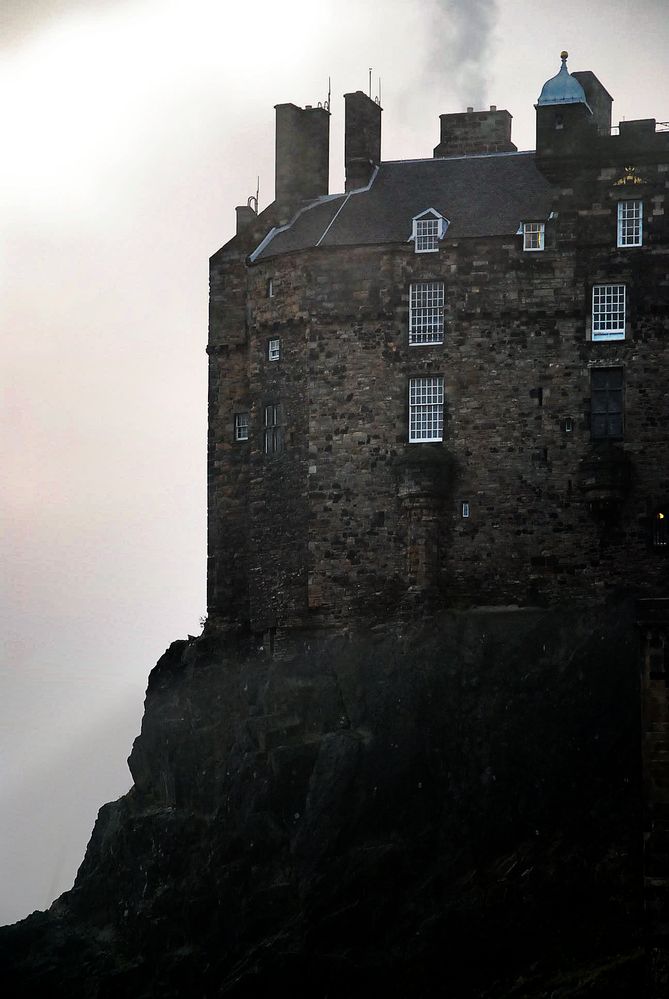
[{"x": 562, "y": 88}]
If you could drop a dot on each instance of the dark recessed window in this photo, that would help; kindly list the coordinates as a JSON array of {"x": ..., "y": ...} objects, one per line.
[
  {"x": 661, "y": 528},
  {"x": 272, "y": 432},
  {"x": 606, "y": 403}
]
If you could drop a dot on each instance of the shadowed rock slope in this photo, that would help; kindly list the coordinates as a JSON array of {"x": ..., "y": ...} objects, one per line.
[{"x": 449, "y": 808}]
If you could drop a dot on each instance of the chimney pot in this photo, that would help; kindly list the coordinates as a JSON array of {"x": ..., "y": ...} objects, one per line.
[
  {"x": 493, "y": 107},
  {"x": 469, "y": 110}
]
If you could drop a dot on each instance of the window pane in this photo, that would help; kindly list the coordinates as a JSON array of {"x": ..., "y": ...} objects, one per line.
[
  {"x": 426, "y": 312},
  {"x": 427, "y": 235},
  {"x": 426, "y": 408},
  {"x": 242, "y": 426},
  {"x": 533, "y": 235},
  {"x": 608, "y": 311},
  {"x": 630, "y": 219}
]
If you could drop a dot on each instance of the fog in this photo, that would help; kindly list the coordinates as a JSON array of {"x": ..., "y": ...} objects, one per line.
[{"x": 131, "y": 130}]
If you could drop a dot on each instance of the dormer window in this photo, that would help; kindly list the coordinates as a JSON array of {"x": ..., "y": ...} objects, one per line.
[
  {"x": 428, "y": 228},
  {"x": 534, "y": 236}
]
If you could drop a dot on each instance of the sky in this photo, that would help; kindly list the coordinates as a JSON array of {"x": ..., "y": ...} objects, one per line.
[{"x": 132, "y": 129}]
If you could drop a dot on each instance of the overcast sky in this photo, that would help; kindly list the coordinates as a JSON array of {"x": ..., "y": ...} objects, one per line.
[{"x": 131, "y": 129}]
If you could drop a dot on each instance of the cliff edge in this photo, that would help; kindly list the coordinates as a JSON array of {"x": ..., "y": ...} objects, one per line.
[{"x": 451, "y": 807}]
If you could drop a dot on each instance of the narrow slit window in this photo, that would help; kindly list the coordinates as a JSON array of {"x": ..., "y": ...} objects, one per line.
[
  {"x": 426, "y": 312},
  {"x": 608, "y": 312},
  {"x": 630, "y": 223},
  {"x": 272, "y": 433},
  {"x": 426, "y": 409}
]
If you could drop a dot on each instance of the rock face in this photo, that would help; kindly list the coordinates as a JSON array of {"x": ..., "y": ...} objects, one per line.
[{"x": 452, "y": 808}]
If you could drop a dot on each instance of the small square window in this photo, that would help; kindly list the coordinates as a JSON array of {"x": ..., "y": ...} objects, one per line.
[
  {"x": 533, "y": 235},
  {"x": 241, "y": 426},
  {"x": 608, "y": 312},
  {"x": 630, "y": 223},
  {"x": 426, "y": 312},
  {"x": 272, "y": 435},
  {"x": 606, "y": 403},
  {"x": 274, "y": 350},
  {"x": 426, "y": 409}
]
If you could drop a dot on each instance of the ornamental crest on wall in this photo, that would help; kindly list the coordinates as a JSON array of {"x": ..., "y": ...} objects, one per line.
[{"x": 629, "y": 176}]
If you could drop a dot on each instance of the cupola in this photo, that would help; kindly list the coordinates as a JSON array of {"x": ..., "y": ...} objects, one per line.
[
  {"x": 566, "y": 125},
  {"x": 562, "y": 88}
]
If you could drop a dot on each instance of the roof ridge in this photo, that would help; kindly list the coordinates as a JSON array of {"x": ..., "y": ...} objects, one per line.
[{"x": 464, "y": 156}]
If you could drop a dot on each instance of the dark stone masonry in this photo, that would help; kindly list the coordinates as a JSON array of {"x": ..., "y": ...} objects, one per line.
[
  {"x": 562, "y": 499},
  {"x": 422, "y": 745}
]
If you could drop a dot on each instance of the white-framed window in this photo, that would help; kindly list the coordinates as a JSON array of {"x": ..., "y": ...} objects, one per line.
[
  {"x": 608, "y": 312},
  {"x": 534, "y": 235},
  {"x": 427, "y": 229},
  {"x": 274, "y": 350},
  {"x": 630, "y": 223},
  {"x": 270, "y": 287},
  {"x": 464, "y": 509},
  {"x": 426, "y": 312},
  {"x": 426, "y": 408},
  {"x": 427, "y": 235},
  {"x": 272, "y": 436},
  {"x": 241, "y": 426}
]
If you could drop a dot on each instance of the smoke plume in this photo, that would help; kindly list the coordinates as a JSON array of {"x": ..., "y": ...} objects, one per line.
[{"x": 462, "y": 33}]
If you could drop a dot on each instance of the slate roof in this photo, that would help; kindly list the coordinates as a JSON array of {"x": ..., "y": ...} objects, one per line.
[{"x": 481, "y": 195}]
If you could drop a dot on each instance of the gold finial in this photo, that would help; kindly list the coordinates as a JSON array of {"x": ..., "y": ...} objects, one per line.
[{"x": 564, "y": 54}]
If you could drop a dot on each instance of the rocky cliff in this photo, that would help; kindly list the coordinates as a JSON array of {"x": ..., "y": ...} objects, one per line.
[{"x": 447, "y": 808}]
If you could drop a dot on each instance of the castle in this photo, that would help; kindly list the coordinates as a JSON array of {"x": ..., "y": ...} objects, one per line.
[{"x": 446, "y": 385}]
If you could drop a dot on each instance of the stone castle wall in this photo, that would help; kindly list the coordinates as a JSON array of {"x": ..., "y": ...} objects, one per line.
[{"x": 350, "y": 518}]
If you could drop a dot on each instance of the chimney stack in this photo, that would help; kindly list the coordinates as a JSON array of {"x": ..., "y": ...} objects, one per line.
[
  {"x": 475, "y": 132},
  {"x": 245, "y": 216},
  {"x": 302, "y": 153},
  {"x": 598, "y": 98},
  {"x": 362, "y": 140}
]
